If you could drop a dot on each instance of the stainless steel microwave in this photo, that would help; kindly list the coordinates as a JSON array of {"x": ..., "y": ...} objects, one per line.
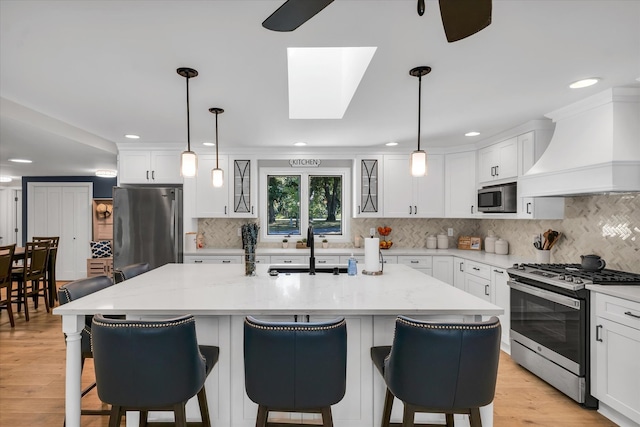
[{"x": 498, "y": 199}]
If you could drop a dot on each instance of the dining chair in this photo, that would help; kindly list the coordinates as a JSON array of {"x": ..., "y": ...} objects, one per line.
[
  {"x": 434, "y": 367},
  {"x": 31, "y": 276},
  {"x": 70, "y": 292},
  {"x": 129, "y": 271},
  {"x": 6, "y": 262},
  {"x": 148, "y": 365},
  {"x": 51, "y": 265},
  {"x": 295, "y": 367}
]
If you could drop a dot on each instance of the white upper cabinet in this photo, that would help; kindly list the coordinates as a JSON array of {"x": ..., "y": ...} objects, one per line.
[
  {"x": 532, "y": 145},
  {"x": 460, "y": 192},
  {"x": 243, "y": 187},
  {"x": 149, "y": 167},
  {"x": 368, "y": 187},
  {"x": 211, "y": 202},
  {"x": 406, "y": 196},
  {"x": 498, "y": 161}
]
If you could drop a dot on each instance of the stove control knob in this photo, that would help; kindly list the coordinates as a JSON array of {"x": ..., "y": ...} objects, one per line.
[
  {"x": 521, "y": 267},
  {"x": 578, "y": 280},
  {"x": 569, "y": 279},
  {"x": 515, "y": 265},
  {"x": 561, "y": 277}
]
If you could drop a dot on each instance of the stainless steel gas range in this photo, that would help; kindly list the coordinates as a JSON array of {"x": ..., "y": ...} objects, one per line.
[{"x": 550, "y": 322}]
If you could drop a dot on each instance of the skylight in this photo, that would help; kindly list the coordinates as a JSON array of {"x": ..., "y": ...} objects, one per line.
[{"x": 322, "y": 80}]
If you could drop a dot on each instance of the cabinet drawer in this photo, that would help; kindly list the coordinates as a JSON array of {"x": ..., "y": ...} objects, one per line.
[
  {"x": 420, "y": 261},
  {"x": 284, "y": 259},
  {"x": 214, "y": 259},
  {"x": 263, "y": 259},
  {"x": 478, "y": 270},
  {"x": 618, "y": 310},
  {"x": 328, "y": 259}
]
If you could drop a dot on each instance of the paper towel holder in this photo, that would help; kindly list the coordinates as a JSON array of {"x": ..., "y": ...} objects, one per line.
[{"x": 376, "y": 273}]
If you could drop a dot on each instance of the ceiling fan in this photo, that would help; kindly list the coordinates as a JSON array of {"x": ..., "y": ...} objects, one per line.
[{"x": 460, "y": 18}]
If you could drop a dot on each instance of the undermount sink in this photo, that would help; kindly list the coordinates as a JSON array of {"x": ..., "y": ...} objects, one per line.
[{"x": 304, "y": 268}]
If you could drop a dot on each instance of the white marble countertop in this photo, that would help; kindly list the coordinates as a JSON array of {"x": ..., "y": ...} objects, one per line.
[
  {"x": 213, "y": 289},
  {"x": 502, "y": 261},
  {"x": 629, "y": 292}
]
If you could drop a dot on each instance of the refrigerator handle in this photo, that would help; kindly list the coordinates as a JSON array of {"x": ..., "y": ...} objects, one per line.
[{"x": 174, "y": 232}]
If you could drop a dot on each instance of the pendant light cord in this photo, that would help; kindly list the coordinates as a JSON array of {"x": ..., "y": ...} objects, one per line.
[
  {"x": 419, "y": 107},
  {"x": 217, "y": 167},
  {"x": 188, "y": 123}
]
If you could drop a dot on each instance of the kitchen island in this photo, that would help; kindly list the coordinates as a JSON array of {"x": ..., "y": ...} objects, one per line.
[{"x": 221, "y": 295}]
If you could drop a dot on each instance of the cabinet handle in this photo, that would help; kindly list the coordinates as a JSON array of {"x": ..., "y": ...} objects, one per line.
[
  {"x": 493, "y": 171},
  {"x": 358, "y": 209},
  {"x": 147, "y": 175},
  {"x": 598, "y": 328},
  {"x": 476, "y": 268},
  {"x": 471, "y": 208},
  {"x": 153, "y": 175},
  {"x": 287, "y": 261},
  {"x": 462, "y": 267},
  {"x": 225, "y": 210},
  {"x": 226, "y": 261},
  {"x": 528, "y": 208},
  {"x": 628, "y": 313},
  {"x": 322, "y": 261},
  {"x": 414, "y": 262},
  {"x": 498, "y": 271},
  {"x": 252, "y": 210},
  {"x": 198, "y": 261},
  {"x": 415, "y": 210},
  {"x": 308, "y": 318},
  {"x": 409, "y": 209},
  {"x": 497, "y": 170},
  {"x": 486, "y": 289}
]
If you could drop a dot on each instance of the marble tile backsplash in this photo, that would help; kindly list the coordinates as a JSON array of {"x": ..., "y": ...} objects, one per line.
[{"x": 606, "y": 225}]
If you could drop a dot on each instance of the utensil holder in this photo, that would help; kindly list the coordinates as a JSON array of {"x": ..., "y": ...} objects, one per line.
[{"x": 543, "y": 257}]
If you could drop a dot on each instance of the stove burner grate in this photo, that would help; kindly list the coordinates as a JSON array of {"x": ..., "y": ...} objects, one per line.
[{"x": 602, "y": 277}]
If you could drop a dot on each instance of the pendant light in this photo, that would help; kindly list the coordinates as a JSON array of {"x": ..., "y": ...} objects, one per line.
[
  {"x": 217, "y": 174},
  {"x": 418, "y": 161},
  {"x": 188, "y": 159}
]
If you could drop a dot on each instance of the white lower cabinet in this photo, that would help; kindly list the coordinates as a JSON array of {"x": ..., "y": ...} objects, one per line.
[
  {"x": 458, "y": 272},
  {"x": 442, "y": 267},
  {"x": 502, "y": 298},
  {"x": 421, "y": 263},
  {"x": 477, "y": 280},
  {"x": 615, "y": 357}
]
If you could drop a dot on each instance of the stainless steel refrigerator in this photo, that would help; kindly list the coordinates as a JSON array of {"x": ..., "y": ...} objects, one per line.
[{"x": 147, "y": 225}]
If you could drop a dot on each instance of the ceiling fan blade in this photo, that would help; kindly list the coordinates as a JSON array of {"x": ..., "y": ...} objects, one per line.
[
  {"x": 294, "y": 13},
  {"x": 463, "y": 18}
]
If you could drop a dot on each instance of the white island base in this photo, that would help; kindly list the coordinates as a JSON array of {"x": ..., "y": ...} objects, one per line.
[{"x": 220, "y": 297}]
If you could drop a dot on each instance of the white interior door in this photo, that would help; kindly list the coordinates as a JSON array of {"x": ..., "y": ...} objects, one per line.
[{"x": 63, "y": 209}]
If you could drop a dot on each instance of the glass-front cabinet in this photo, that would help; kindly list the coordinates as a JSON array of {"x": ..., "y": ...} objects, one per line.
[
  {"x": 368, "y": 187},
  {"x": 242, "y": 194}
]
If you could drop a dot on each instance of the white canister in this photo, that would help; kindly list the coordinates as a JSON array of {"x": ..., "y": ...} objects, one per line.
[
  {"x": 432, "y": 242},
  {"x": 502, "y": 247},
  {"x": 490, "y": 242},
  {"x": 190, "y": 242},
  {"x": 443, "y": 241}
]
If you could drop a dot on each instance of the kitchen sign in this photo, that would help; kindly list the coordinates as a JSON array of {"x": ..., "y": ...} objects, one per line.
[{"x": 304, "y": 163}]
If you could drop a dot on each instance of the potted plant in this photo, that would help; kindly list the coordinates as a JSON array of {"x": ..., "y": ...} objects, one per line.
[
  {"x": 325, "y": 243},
  {"x": 301, "y": 244},
  {"x": 285, "y": 243}
]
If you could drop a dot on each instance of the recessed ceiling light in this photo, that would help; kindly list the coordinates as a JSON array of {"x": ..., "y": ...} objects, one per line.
[
  {"x": 209, "y": 144},
  {"x": 391, "y": 144},
  {"x": 20, "y": 161},
  {"x": 473, "y": 133},
  {"x": 299, "y": 144},
  {"x": 132, "y": 136},
  {"x": 106, "y": 173},
  {"x": 5, "y": 179},
  {"x": 584, "y": 83}
]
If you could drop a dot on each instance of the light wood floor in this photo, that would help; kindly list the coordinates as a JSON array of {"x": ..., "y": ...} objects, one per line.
[{"x": 32, "y": 364}]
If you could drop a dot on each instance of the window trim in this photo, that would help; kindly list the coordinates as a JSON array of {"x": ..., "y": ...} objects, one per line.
[{"x": 343, "y": 172}]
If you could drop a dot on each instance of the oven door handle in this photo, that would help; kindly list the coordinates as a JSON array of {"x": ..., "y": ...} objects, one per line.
[{"x": 548, "y": 295}]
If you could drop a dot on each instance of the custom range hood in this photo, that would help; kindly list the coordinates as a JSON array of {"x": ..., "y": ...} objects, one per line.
[{"x": 595, "y": 148}]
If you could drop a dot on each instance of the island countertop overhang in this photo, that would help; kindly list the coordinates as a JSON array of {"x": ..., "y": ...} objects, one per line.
[{"x": 209, "y": 289}]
